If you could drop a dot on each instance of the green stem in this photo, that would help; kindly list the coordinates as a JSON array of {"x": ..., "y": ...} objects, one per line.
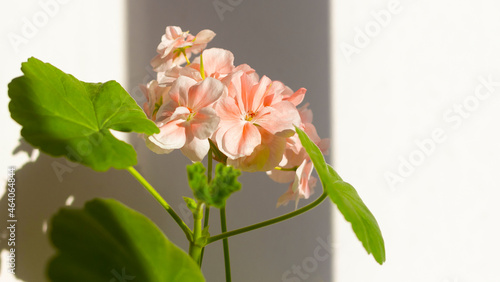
[
  {"x": 207, "y": 208},
  {"x": 194, "y": 248},
  {"x": 268, "y": 222},
  {"x": 162, "y": 202},
  {"x": 286, "y": 169},
  {"x": 186, "y": 57},
  {"x": 225, "y": 244},
  {"x": 202, "y": 69}
]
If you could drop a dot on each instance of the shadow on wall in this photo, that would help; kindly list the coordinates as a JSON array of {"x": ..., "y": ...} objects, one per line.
[
  {"x": 40, "y": 193},
  {"x": 287, "y": 41}
]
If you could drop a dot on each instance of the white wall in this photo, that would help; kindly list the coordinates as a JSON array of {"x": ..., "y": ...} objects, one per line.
[{"x": 405, "y": 83}]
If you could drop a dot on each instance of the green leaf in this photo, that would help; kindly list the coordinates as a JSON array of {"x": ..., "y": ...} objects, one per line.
[
  {"x": 107, "y": 241},
  {"x": 355, "y": 211},
  {"x": 66, "y": 117},
  {"x": 346, "y": 198},
  {"x": 216, "y": 192}
]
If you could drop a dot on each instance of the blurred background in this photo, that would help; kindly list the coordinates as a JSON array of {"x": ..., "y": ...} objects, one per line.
[{"x": 406, "y": 90}]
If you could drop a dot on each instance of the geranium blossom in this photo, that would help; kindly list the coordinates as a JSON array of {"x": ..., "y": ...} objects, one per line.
[
  {"x": 302, "y": 185},
  {"x": 177, "y": 46},
  {"x": 189, "y": 118},
  {"x": 265, "y": 156},
  {"x": 217, "y": 63},
  {"x": 252, "y": 109},
  {"x": 297, "y": 164},
  {"x": 156, "y": 95},
  {"x": 250, "y": 120}
]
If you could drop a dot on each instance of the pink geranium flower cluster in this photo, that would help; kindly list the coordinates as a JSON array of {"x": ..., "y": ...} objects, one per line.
[{"x": 249, "y": 119}]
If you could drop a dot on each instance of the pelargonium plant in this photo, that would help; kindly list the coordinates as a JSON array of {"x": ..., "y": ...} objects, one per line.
[{"x": 203, "y": 105}]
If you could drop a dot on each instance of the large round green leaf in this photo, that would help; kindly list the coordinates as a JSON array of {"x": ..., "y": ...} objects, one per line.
[
  {"x": 346, "y": 198},
  {"x": 64, "y": 116},
  {"x": 107, "y": 241}
]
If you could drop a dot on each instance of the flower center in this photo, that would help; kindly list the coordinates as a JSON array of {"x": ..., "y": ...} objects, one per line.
[
  {"x": 191, "y": 115},
  {"x": 249, "y": 116}
]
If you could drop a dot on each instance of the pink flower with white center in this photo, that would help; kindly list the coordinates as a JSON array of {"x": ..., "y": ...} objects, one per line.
[
  {"x": 191, "y": 119},
  {"x": 296, "y": 162},
  {"x": 251, "y": 110},
  {"x": 177, "y": 46}
]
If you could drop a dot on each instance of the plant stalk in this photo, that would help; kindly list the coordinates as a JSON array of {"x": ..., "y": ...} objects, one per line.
[
  {"x": 195, "y": 248},
  {"x": 166, "y": 206},
  {"x": 225, "y": 235},
  {"x": 207, "y": 208},
  {"x": 225, "y": 244}
]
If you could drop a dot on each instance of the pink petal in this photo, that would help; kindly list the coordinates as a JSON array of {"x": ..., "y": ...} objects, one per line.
[
  {"x": 252, "y": 75},
  {"x": 285, "y": 198},
  {"x": 172, "y": 32},
  {"x": 195, "y": 149},
  {"x": 180, "y": 89},
  {"x": 255, "y": 99},
  {"x": 297, "y": 97},
  {"x": 157, "y": 62},
  {"x": 218, "y": 61},
  {"x": 311, "y": 132},
  {"x": 204, "y": 93},
  {"x": 204, "y": 36},
  {"x": 281, "y": 176},
  {"x": 324, "y": 145},
  {"x": 165, "y": 111},
  {"x": 180, "y": 113},
  {"x": 204, "y": 123},
  {"x": 228, "y": 110},
  {"x": 240, "y": 140},
  {"x": 279, "y": 119},
  {"x": 192, "y": 71},
  {"x": 304, "y": 189},
  {"x": 153, "y": 147},
  {"x": 273, "y": 95},
  {"x": 233, "y": 83},
  {"x": 169, "y": 76},
  {"x": 306, "y": 115},
  {"x": 172, "y": 135},
  {"x": 264, "y": 157}
]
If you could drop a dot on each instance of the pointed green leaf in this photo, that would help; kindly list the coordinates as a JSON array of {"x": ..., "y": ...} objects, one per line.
[
  {"x": 355, "y": 211},
  {"x": 216, "y": 192},
  {"x": 66, "y": 117},
  {"x": 346, "y": 198},
  {"x": 107, "y": 241}
]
